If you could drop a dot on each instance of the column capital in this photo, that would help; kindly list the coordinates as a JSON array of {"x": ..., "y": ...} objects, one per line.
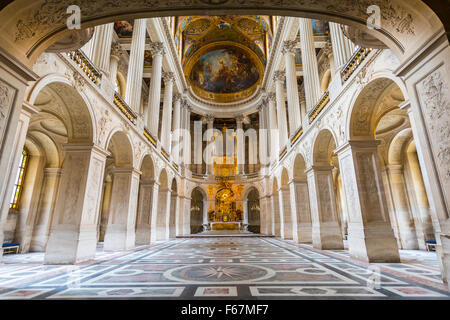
[
  {"x": 168, "y": 77},
  {"x": 177, "y": 97},
  {"x": 262, "y": 105},
  {"x": 209, "y": 118},
  {"x": 272, "y": 97},
  {"x": 289, "y": 46},
  {"x": 279, "y": 75},
  {"x": 157, "y": 48},
  {"x": 239, "y": 118}
]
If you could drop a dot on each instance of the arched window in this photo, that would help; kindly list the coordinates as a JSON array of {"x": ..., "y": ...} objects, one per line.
[{"x": 20, "y": 177}]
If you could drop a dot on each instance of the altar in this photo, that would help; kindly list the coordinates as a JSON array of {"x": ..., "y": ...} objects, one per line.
[{"x": 225, "y": 225}]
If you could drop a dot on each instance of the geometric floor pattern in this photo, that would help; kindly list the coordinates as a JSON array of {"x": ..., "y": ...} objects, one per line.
[{"x": 229, "y": 268}]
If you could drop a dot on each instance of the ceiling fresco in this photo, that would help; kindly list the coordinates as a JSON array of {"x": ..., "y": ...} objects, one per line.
[{"x": 219, "y": 72}]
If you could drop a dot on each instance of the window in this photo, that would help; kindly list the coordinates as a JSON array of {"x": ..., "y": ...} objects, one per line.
[{"x": 20, "y": 177}]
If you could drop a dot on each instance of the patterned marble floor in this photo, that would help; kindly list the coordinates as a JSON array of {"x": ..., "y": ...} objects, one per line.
[{"x": 229, "y": 268}]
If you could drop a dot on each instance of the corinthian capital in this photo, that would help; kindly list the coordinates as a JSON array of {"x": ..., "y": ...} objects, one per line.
[
  {"x": 279, "y": 75},
  {"x": 289, "y": 46},
  {"x": 177, "y": 97},
  {"x": 116, "y": 50},
  {"x": 272, "y": 96},
  {"x": 168, "y": 77},
  {"x": 157, "y": 48}
]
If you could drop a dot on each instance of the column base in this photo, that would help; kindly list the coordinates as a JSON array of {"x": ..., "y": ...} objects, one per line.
[
  {"x": 304, "y": 231},
  {"x": 143, "y": 235},
  {"x": 118, "y": 238},
  {"x": 327, "y": 236},
  {"x": 373, "y": 244},
  {"x": 69, "y": 246}
]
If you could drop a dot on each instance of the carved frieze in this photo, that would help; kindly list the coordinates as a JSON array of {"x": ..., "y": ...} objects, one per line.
[{"x": 7, "y": 94}]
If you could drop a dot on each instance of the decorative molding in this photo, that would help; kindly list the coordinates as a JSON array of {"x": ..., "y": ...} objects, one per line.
[
  {"x": 279, "y": 75},
  {"x": 157, "y": 48}
]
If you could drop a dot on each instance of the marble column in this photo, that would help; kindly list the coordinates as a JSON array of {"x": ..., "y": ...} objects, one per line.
[
  {"x": 370, "y": 235},
  {"x": 240, "y": 144},
  {"x": 262, "y": 112},
  {"x": 406, "y": 228},
  {"x": 147, "y": 192},
  {"x": 154, "y": 212},
  {"x": 101, "y": 47},
  {"x": 176, "y": 126},
  {"x": 274, "y": 134},
  {"x": 188, "y": 135},
  {"x": 277, "y": 214},
  {"x": 285, "y": 213},
  {"x": 300, "y": 201},
  {"x": 209, "y": 146},
  {"x": 279, "y": 77},
  {"x": 166, "y": 125},
  {"x": 292, "y": 87},
  {"x": 45, "y": 209},
  {"x": 343, "y": 48},
  {"x": 133, "y": 90},
  {"x": 326, "y": 232},
  {"x": 171, "y": 217},
  {"x": 152, "y": 120},
  {"x": 120, "y": 232},
  {"x": 73, "y": 234},
  {"x": 309, "y": 63}
]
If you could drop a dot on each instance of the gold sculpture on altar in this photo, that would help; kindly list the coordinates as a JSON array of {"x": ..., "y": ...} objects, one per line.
[{"x": 225, "y": 216}]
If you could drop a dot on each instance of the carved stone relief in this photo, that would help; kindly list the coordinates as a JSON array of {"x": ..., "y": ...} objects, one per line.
[{"x": 7, "y": 94}]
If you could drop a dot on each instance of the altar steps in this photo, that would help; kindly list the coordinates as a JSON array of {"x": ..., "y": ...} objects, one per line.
[{"x": 225, "y": 233}]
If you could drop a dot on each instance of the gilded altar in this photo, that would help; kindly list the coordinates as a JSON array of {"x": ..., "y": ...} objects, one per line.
[{"x": 226, "y": 216}]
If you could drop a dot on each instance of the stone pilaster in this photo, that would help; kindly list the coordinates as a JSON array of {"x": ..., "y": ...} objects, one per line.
[
  {"x": 120, "y": 232},
  {"x": 274, "y": 135},
  {"x": 240, "y": 144},
  {"x": 370, "y": 234},
  {"x": 263, "y": 155},
  {"x": 209, "y": 147},
  {"x": 285, "y": 213},
  {"x": 73, "y": 235},
  {"x": 144, "y": 213},
  {"x": 326, "y": 232},
  {"x": 176, "y": 126},
  {"x": 300, "y": 201}
]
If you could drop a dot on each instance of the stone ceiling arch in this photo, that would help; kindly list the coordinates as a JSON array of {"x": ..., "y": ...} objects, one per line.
[{"x": 30, "y": 27}]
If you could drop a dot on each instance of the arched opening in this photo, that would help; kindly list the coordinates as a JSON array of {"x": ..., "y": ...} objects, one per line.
[
  {"x": 120, "y": 230},
  {"x": 304, "y": 227},
  {"x": 146, "y": 203},
  {"x": 161, "y": 228},
  {"x": 285, "y": 206},
  {"x": 198, "y": 204},
  {"x": 174, "y": 203},
  {"x": 252, "y": 216},
  {"x": 326, "y": 230}
]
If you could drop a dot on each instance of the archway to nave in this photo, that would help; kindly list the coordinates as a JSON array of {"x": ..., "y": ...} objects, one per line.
[
  {"x": 276, "y": 214},
  {"x": 160, "y": 227},
  {"x": 285, "y": 206},
  {"x": 326, "y": 230},
  {"x": 252, "y": 213},
  {"x": 120, "y": 230},
  {"x": 174, "y": 205},
  {"x": 30, "y": 28},
  {"x": 148, "y": 194},
  {"x": 302, "y": 208},
  {"x": 198, "y": 204}
]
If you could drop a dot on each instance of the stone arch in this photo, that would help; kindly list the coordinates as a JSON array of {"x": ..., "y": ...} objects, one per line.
[
  {"x": 323, "y": 147},
  {"x": 145, "y": 200},
  {"x": 30, "y": 28},
  {"x": 197, "y": 209},
  {"x": 369, "y": 104},
  {"x": 174, "y": 207},
  {"x": 398, "y": 146},
  {"x": 160, "y": 226},
  {"x": 285, "y": 205},
  {"x": 54, "y": 94},
  {"x": 252, "y": 210},
  {"x": 121, "y": 148},
  {"x": 302, "y": 208}
]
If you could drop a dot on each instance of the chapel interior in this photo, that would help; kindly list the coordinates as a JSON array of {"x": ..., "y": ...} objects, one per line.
[{"x": 228, "y": 144}]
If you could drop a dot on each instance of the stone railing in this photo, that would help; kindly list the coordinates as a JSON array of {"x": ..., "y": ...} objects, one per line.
[
  {"x": 86, "y": 65},
  {"x": 124, "y": 108},
  {"x": 353, "y": 64},
  {"x": 320, "y": 106}
]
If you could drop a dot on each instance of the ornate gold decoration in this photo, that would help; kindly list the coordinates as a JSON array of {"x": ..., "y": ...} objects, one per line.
[
  {"x": 86, "y": 65},
  {"x": 320, "y": 106},
  {"x": 126, "y": 110}
]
